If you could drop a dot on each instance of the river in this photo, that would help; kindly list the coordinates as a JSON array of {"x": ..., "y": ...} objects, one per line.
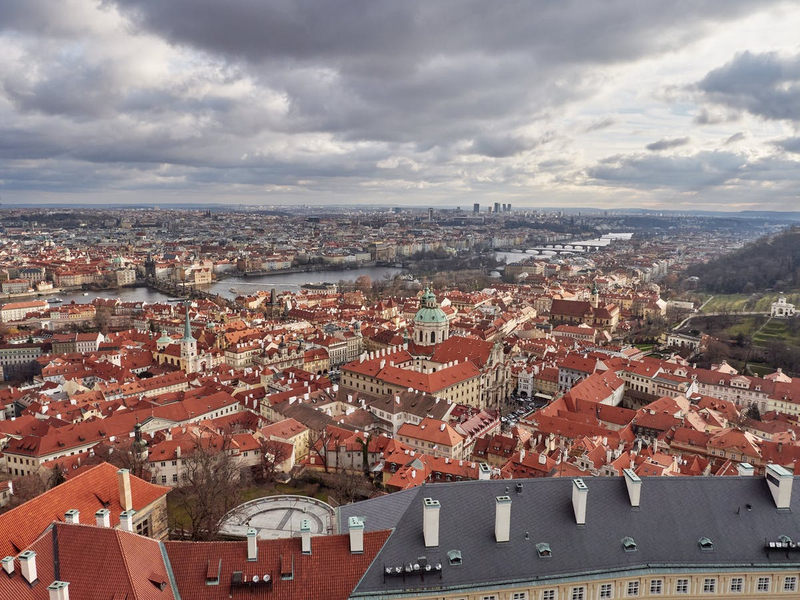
[{"x": 243, "y": 285}]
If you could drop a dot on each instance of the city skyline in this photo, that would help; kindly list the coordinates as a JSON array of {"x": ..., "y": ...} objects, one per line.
[{"x": 680, "y": 106}]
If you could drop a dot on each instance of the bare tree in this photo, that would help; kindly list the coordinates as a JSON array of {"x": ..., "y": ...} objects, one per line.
[
  {"x": 347, "y": 486},
  {"x": 210, "y": 486},
  {"x": 318, "y": 445},
  {"x": 26, "y": 488},
  {"x": 273, "y": 453}
]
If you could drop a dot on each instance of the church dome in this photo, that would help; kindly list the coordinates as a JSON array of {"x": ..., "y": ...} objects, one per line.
[{"x": 429, "y": 311}]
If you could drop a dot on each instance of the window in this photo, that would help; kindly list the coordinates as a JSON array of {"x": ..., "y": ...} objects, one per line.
[
  {"x": 163, "y": 479},
  {"x": 737, "y": 585},
  {"x": 578, "y": 593},
  {"x": 549, "y": 595},
  {"x": 656, "y": 587},
  {"x": 492, "y": 597},
  {"x": 682, "y": 586},
  {"x": 790, "y": 584},
  {"x": 543, "y": 550},
  {"x": 633, "y": 588},
  {"x": 143, "y": 527},
  {"x": 709, "y": 585},
  {"x": 629, "y": 544},
  {"x": 763, "y": 584},
  {"x": 605, "y": 590},
  {"x": 174, "y": 478},
  {"x": 519, "y": 596}
]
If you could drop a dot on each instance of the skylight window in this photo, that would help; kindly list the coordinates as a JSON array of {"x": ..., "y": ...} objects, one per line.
[
  {"x": 454, "y": 556},
  {"x": 543, "y": 550},
  {"x": 706, "y": 544},
  {"x": 628, "y": 544}
]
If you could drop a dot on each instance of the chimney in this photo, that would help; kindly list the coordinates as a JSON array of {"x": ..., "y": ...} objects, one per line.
[
  {"x": 502, "y": 519},
  {"x": 103, "y": 517},
  {"x": 124, "y": 481},
  {"x": 126, "y": 520},
  {"x": 72, "y": 516},
  {"x": 745, "y": 470},
  {"x": 8, "y": 565},
  {"x": 580, "y": 493},
  {"x": 484, "y": 472},
  {"x": 430, "y": 522},
  {"x": 252, "y": 545},
  {"x": 58, "y": 590},
  {"x": 305, "y": 536},
  {"x": 356, "y": 527},
  {"x": 27, "y": 564},
  {"x": 780, "y": 484},
  {"x": 634, "y": 485}
]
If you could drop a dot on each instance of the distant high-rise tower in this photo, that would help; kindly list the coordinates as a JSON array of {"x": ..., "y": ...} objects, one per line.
[
  {"x": 430, "y": 215},
  {"x": 476, "y": 208},
  {"x": 496, "y": 207}
]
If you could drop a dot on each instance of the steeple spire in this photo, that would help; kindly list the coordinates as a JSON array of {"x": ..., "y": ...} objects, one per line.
[{"x": 187, "y": 328}]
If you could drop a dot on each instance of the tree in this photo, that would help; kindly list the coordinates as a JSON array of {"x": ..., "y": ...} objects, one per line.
[
  {"x": 347, "y": 486},
  {"x": 364, "y": 284},
  {"x": 102, "y": 317},
  {"x": 752, "y": 412},
  {"x": 273, "y": 454},
  {"x": 26, "y": 488},
  {"x": 210, "y": 486},
  {"x": 318, "y": 445}
]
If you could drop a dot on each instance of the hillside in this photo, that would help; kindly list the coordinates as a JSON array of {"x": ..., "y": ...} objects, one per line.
[{"x": 768, "y": 263}]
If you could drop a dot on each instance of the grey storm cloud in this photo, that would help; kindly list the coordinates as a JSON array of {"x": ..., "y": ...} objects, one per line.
[
  {"x": 763, "y": 84},
  {"x": 665, "y": 144},
  {"x": 312, "y": 94},
  {"x": 736, "y": 137},
  {"x": 789, "y": 144}
]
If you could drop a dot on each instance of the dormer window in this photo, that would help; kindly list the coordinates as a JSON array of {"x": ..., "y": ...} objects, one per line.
[
  {"x": 543, "y": 550},
  {"x": 706, "y": 545},
  {"x": 628, "y": 544},
  {"x": 454, "y": 556}
]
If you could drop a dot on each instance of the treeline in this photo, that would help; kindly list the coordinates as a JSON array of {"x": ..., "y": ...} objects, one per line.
[{"x": 768, "y": 263}]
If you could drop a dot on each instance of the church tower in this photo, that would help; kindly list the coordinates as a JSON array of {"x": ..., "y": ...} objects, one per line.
[
  {"x": 430, "y": 323},
  {"x": 188, "y": 346},
  {"x": 595, "y": 298}
]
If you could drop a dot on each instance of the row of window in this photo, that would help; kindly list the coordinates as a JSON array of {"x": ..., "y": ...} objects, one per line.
[{"x": 657, "y": 588}]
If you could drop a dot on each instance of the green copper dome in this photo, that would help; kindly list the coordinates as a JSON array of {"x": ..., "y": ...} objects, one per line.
[{"x": 429, "y": 311}]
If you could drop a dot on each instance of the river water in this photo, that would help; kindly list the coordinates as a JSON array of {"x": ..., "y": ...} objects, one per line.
[{"x": 242, "y": 285}]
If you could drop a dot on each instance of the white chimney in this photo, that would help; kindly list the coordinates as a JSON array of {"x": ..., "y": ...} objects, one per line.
[
  {"x": 73, "y": 515},
  {"x": 8, "y": 565},
  {"x": 502, "y": 519},
  {"x": 252, "y": 545},
  {"x": 356, "y": 527},
  {"x": 745, "y": 470},
  {"x": 634, "y": 485},
  {"x": 305, "y": 536},
  {"x": 124, "y": 481},
  {"x": 484, "y": 472},
  {"x": 103, "y": 517},
  {"x": 126, "y": 520},
  {"x": 58, "y": 590},
  {"x": 580, "y": 493},
  {"x": 430, "y": 522},
  {"x": 780, "y": 484},
  {"x": 27, "y": 564}
]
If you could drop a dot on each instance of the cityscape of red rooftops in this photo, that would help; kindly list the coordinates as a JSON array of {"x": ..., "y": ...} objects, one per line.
[{"x": 200, "y": 376}]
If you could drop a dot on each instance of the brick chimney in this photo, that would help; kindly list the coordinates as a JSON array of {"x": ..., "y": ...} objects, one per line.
[
  {"x": 502, "y": 519},
  {"x": 430, "y": 522},
  {"x": 356, "y": 527},
  {"x": 252, "y": 545},
  {"x": 58, "y": 590},
  {"x": 634, "y": 485},
  {"x": 27, "y": 565},
  {"x": 125, "y": 497},
  {"x": 103, "y": 517},
  {"x": 72, "y": 516},
  {"x": 305, "y": 536},
  {"x": 580, "y": 494}
]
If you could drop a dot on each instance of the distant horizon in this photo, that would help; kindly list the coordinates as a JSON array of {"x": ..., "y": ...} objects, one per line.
[{"x": 629, "y": 104}]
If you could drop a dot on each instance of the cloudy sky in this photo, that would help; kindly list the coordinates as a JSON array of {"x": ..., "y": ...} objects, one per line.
[{"x": 677, "y": 104}]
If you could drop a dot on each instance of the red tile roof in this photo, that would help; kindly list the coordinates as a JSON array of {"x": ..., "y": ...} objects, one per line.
[
  {"x": 86, "y": 492},
  {"x": 330, "y": 572}
]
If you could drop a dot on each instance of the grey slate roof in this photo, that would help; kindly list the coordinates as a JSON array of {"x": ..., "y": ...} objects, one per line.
[{"x": 675, "y": 512}]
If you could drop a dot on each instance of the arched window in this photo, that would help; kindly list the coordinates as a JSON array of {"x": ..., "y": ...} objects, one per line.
[{"x": 433, "y": 337}]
